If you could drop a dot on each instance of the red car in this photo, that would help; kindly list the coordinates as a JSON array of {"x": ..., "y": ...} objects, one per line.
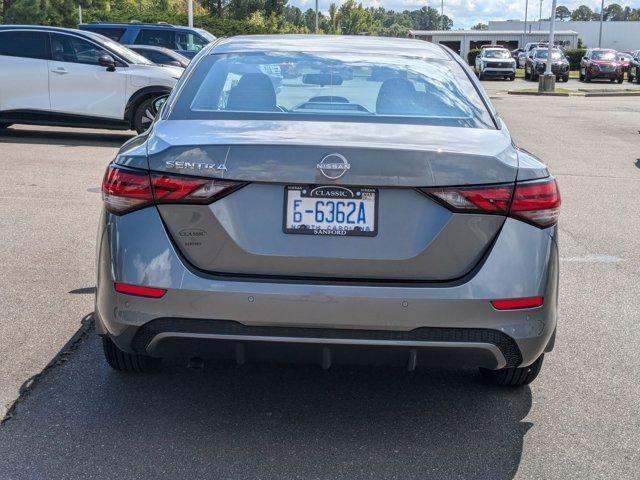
[{"x": 601, "y": 63}]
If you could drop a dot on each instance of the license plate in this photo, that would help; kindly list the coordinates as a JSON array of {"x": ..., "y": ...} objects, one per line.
[{"x": 330, "y": 210}]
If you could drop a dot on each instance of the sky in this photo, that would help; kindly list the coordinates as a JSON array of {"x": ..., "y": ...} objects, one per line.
[{"x": 466, "y": 13}]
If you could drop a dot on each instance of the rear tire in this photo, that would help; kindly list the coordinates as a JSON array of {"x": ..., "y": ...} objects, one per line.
[
  {"x": 513, "y": 377},
  {"x": 620, "y": 79},
  {"x": 144, "y": 115},
  {"x": 127, "y": 362}
]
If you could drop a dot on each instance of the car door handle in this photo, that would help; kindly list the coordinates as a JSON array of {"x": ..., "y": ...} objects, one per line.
[{"x": 60, "y": 71}]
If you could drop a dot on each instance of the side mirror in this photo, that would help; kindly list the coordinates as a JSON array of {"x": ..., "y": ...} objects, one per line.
[
  {"x": 108, "y": 62},
  {"x": 159, "y": 102}
]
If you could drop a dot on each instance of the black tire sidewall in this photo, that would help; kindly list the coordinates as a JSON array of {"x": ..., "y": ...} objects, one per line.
[{"x": 139, "y": 114}]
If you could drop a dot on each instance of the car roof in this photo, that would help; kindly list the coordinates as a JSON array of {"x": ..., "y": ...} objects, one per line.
[
  {"x": 96, "y": 37},
  {"x": 329, "y": 44},
  {"x": 133, "y": 24}
]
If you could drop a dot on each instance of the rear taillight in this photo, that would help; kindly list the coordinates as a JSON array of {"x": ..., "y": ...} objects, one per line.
[
  {"x": 491, "y": 199},
  {"x": 179, "y": 189},
  {"x": 124, "y": 190},
  {"x": 536, "y": 202}
]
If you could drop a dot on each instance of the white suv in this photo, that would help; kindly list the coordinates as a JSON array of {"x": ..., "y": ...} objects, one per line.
[
  {"x": 495, "y": 62},
  {"x": 62, "y": 76}
]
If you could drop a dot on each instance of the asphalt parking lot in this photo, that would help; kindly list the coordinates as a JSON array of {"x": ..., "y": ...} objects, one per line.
[{"x": 69, "y": 416}]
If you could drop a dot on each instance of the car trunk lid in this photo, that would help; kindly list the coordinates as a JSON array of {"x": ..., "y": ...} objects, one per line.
[{"x": 416, "y": 238}]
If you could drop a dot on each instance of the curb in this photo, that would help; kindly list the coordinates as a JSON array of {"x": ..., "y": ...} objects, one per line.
[
  {"x": 576, "y": 94},
  {"x": 612, "y": 94},
  {"x": 539, "y": 94}
]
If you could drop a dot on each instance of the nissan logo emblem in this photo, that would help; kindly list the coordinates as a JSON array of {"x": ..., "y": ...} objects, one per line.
[{"x": 333, "y": 166}]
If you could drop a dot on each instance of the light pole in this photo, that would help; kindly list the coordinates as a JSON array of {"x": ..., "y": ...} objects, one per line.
[
  {"x": 190, "y": 12},
  {"x": 79, "y": 13},
  {"x": 526, "y": 9},
  {"x": 540, "y": 17},
  {"x": 601, "y": 20},
  {"x": 442, "y": 14},
  {"x": 316, "y": 16},
  {"x": 547, "y": 82}
]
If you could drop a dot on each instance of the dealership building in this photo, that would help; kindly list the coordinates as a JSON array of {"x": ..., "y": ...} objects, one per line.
[
  {"x": 461, "y": 41},
  {"x": 616, "y": 35}
]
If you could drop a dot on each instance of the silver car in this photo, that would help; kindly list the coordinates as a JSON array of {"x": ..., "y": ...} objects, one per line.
[{"x": 371, "y": 208}]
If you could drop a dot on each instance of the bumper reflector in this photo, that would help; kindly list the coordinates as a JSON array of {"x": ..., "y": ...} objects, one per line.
[
  {"x": 517, "y": 303},
  {"x": 139, "y": 290}
]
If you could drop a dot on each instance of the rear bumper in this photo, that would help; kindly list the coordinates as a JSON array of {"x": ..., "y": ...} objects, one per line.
[
  {"x": 232, "y": 340},
  {"x": 237, "y": 317}
]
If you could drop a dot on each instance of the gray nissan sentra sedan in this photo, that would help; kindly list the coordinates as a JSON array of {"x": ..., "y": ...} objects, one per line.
[{"x": 329, "y": 199}]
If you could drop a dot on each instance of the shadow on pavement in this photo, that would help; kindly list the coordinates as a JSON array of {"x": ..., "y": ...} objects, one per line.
[
  {"x": 71, "y": 138},
  {"x": 261, "y": 421}
]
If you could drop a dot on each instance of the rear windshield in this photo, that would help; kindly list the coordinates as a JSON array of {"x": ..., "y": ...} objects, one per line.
[{"x": 332, "y": 87}]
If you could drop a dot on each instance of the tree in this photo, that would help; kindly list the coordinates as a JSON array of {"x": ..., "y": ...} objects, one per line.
[
  {"x": 394, "y": 30},
  {"x": 563, "y": 13},
  {"x": 480, "y": 26},
  {"x": 353, "y": 19},
  {"x": 583, "y": 13},
  {"x": 634, "y": 15},
  {"x": 214, "y": 6},
  {"x": 428, "y": 18},
  {"x": 332, "y": 24},
  {"x": 27, "y": 12},
  {"x": 293, "y": 15},
  {"x": 309, "y": 19},
  {"x": 242, "y": 9},
  {"x": 614, "y": 12},
  {"x": 274, "y": 7}
]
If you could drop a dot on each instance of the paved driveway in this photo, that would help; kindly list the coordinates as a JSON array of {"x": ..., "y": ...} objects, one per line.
[{"x": 81, "y": 420}]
